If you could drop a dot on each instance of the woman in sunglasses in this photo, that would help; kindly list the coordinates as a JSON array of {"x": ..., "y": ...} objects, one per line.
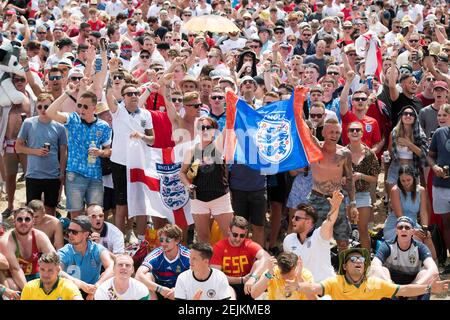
[
  {"x": 365, "y": 171},
  {"x": 208, "y": 188},
  {"x": 409, "y": 199},
  {"x": 408, "y": 145}
]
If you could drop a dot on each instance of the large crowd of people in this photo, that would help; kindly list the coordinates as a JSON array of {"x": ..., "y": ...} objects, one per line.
[{"x": 96, "y": 75}]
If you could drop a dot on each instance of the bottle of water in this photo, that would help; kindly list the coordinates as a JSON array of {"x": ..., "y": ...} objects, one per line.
[{"x": 91, "y": 158}]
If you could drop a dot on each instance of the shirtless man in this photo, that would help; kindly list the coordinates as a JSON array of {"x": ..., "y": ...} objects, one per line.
[
  {"x": 48, "y": 224},
  {"x": 331, "y": 174},
  {"x": 11, "y": 159},
  {"x": 24, "y": 244}
]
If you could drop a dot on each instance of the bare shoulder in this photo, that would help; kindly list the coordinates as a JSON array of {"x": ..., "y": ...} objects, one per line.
[
  {"x": 53, "y": 220},
  {"x": 40, "y": 235},
  {"x": 343, "y": 152}
]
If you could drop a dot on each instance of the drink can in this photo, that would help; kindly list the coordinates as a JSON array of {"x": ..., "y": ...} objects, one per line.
[
  {"x": 446, "y": 171},
  {"x": 47, "y": 146},
  {"x": 386, "y": 157},
  {"x": 23, "y": 115}
]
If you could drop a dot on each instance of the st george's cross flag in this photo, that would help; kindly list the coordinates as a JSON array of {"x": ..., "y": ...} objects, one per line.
[
  {"x": 271, "y": 139},
  {"x": 153, "y": 183}
]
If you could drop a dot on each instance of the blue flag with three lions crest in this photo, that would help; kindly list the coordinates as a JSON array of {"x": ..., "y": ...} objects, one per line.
[{"x": 271, "y": 139}]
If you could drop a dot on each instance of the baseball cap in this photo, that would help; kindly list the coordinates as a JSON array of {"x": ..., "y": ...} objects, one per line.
[
  {"x": 440, "y": 84},
  {"x": 227, "y": 79},
  {"x": 246, "y": 78},
  {"x": 76, "y": 72},
  {"x": 84, "y": 6},
  {"x": 278, "y": 27},
  {"x": 83, "y": 222},
  {"x": 66, "y": 62},
  {"x": 442, "y": 57},
  {"x": 405, "y": 219},
  {"x": 10, "y": 12}
]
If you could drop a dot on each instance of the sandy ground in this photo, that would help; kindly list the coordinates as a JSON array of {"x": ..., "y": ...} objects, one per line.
[{"x": 379, "y": 214}]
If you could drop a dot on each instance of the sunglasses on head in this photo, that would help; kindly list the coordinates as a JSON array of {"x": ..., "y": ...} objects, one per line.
[
  {"x": 39, "y": 107},
  {"x": 76, "y": 78},
  {"x": 85, "y": 106},
  {"x": 204, "y": 128},
  {"x": 133, "y": 93},
  {"x": 26, "y": 219},
  {"x": 166, "y": 240},
  {"x": 315, "y": 115},
  {"x": 177, "y": 100},
  {"x": 217, "y": 97},
  {"x": 240, "y": 235},
  {"x": 359, "y": 99},
  {"x": 297, "y": 218},
  {"x": 74, "y": 232},
  {"x": 354, "y": 130},
  {"x": 431, "y": 79},
  {"x": 196, "y": 106},
  {"x": 53, "y": 78},
  {"x": 355, "y": 259},
  {"x": 408, "y": 114},
  {"x": 401, "y": 227}
]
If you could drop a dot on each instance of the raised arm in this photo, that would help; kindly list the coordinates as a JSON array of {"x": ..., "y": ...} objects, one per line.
[
  {"x": 326, "y": 231},
  {"x": 110, "y": 100},
  {"x": 100, "y": 77},
  {"x": 350, "y": 75},
  {"x": 54, "y": 111},
  {"x": 392, "y": 75}
]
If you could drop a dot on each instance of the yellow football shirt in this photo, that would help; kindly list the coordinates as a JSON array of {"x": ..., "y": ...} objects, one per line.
[
  {"x": 276, "y": 287},
  {"x": 64, "y": 289},
  {"x": 371, "y": 289}
]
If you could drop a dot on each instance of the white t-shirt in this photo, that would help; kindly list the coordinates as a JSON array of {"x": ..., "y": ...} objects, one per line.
[
  {"x": 123, "y": 124},
  {"x": 112, "y": 238},
  {"x": 136, "y": 291},
  {"x": 200, "y": 12},
  {"x": 216, "y": 287},
  {"x": 315, "y": 254}
]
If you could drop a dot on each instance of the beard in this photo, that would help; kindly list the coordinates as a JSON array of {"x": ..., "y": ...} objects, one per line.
[{"x": 23, "y": 233}]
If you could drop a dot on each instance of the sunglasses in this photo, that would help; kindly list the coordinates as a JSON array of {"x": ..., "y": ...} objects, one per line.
[
  {"x": 204, "y": 128},
  {"x": 19, "y": 79},
  {"x": 85, "y": 106},
  {"x": 74, "y": 232},
  {"x": 42, "y": 32},
  {"x": 240, "y": 235},
  {"x": 20, "y": 219},
  {"x": 39, "y": 107},
  {"x": 334, "y": 73},
  {"x": 137, "y": 13},
  {"x": 53, "y": 78},
  {"x": 351, "y": 54},
  {"x": 144, "y": 56},
  {"x": 196, "y": 106},
  {"x": 359, "y": 99},
  {"x": 413, "y": 41},
  {"x": 316, "y": 115},
  {"x": 446, "y": 49},
  {"x": 279, "y": 32},
  {"x": 408, "y": 114},
  {"x": 247, "y": 82},
  {"x": 355, "y": 259},
  {"x": 403, "y": 227},
  {"x": 130, "y": 94},
  {"x": 176, "y": 40},
  {"x": 76, "y": 78},
  {"x": 177, "y": 100},
  {"x": 307, "y": 34},
  {"x": 166, "y": 240},
  {"x": 290, "y": 40},
  {"x": 297, "y": 218},
  {"x": 187, "y": 15},
  {"x": 217, "y": 97},
  {"x": 211, "y": 56},
  {"x": 118, "y": 77},
  {"x": 348, "y": 28},
  {"x": 354, "y": 130}
]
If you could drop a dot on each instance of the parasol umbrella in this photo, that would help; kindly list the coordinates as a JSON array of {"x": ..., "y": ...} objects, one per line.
[{"x": 211, "y": 23}]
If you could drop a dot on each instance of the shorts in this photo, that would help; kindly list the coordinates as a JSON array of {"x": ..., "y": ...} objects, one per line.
[
  {"x": 49, "y": 187},
  {"x": 81, "y": 190},
  {"x": 119, "y": 175},
  {"x": 109, "y": 199},
  {"x": 342, "y": 228},
  {"x": 441, "y": 200},
  {"x": 214, "y": 207},
  {"x": 252, "y": 205},
  {"x": 363, "y": 199},
  {"x": 277, "y": 188}
]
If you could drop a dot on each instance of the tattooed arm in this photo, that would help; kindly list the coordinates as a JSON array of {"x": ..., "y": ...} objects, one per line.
[{"x": 349, "y": 183}]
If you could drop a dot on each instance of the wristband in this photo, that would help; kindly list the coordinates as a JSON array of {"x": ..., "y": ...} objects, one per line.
[
  {"x": 71, "y": 97},
  {"x": 2, "y": 290},
  {"x": 268, "y": 275},
  {"x": 353, "y": 203},
  {"x": 26, "y": 68},
  {"x": 242, "y": 280},
  {"x": 254, "y": 276}
]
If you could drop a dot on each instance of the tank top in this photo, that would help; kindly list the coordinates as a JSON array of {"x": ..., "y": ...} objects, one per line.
[
  {"x": 212, "y": 177},
  {"x": 30, "y": 267},
  {"x": 404, "y": 153}
]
